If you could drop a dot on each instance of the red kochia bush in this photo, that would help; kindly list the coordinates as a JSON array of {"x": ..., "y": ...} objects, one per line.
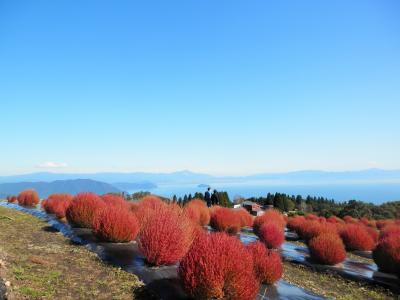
[
  {"x": 271, "y": 215},
  {"x": 115, "y": 224},
  {"x": 246, "y": 219},
  {"x": 167, "y": 235},
  {"x": 387, "y": 254},
  {"x": 295, "y": 222},
  {"x": 83, "y": 209},
  {"x": 145, "y": 207},
  {"x": 198, "y": 209},
  {"x": 11, "y": 199},
  {"x": 271, "y": 235},
  {"x": 350, "y": 220},
  {"x": 335, "y": 220},
  {"x": 312, "y": 217},
  {"x": 115, "y": 200},
  {"x": 356, "y": 237},
  {"x": 57, "y": 204},
  {"x": 373, "y": 233},
  {"x": 28, "y": 198},
  {"x": 327, "y": 249},
  {"x": 267, "y": 263},
  {"x": 389, "y": 230},
  {"x": 310, "y": 229},
  {"x": 218, "y": 266},
  {"x": 225, "y": 219},
  {"x": 382, "y": 223}
]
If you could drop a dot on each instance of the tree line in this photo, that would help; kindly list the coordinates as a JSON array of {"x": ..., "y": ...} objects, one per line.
[{"x": 299, "y": 204}]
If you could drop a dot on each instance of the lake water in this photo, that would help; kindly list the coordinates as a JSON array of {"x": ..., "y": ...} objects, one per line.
[{"x": 375, "y": 193}]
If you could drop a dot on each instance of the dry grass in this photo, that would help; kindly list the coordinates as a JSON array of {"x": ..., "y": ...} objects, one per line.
[{"x": 45, "y": 265}]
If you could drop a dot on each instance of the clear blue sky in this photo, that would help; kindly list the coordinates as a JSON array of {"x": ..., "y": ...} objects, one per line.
[{"x": 224, "y": 87}]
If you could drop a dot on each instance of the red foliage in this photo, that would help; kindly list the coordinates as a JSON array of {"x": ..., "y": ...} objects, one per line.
[
  {"x": 198, "y": 212},
  {"x": 373, "y": 233},
  {"x": 167, "y": 235},
  {"x": 83, "y": 209},
  {"x": 327, "y": 249},
  {"x": 225, "y": 219},
  {"x": 389, "y": 230},
  {"x": 356, "y": 237},
  {"x": 312, "y": 217},
  {"x": 271, "y": 215},
  {"x": 295, "y": 222},
  {"x": 193, "y": 214},
  {"x": 115, "y": 224},
  {"x": 271, "y": 235},
  {"x": 11, "y": 199},
  {"x": 145, "y": 207},
  {"x": 218, "y": 267},
  {"x": 350, "y": 220},
  {"x": 28, "y": 198},
  {"x": 334, "y": 220},
  {"x": 267, "y": 263},
  {"x": 382, "y": 223},
  {"x": 364, "y": 221},
  {"x": 57, "y": 204},
  {"x": 387, "y": 254},
  {"x": 246, "y": 219},
  {"x": 115, "y": 200},
  {"x": 310, "y": 229}
]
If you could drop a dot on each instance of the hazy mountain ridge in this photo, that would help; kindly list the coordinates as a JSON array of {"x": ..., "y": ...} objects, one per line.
[
  {"x": 44, "y": 189},
  {"x": 296, "y": 177}
]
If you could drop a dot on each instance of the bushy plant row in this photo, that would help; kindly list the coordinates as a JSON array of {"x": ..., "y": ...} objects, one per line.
[
  {"x": 387, "y": 252},
  {"x": 229, "y": 220},
  {"x": 219, "y": 266},
  {"x": 28, "y": 198}
]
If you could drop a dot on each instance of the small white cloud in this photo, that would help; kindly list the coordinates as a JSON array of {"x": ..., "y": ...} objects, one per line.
[
  {"x": 52, "y": 165},
  {"x": 373, "y": 164}
]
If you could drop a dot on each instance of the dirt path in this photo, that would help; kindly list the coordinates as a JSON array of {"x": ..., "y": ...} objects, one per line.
[{"x": 42, "y": 264}]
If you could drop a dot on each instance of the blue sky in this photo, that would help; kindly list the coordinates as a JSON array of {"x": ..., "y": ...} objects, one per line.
[{"x": 223, "y": 87}]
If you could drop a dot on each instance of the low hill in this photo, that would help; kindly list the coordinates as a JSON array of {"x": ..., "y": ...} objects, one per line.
[{"x": 59, "y": 186}]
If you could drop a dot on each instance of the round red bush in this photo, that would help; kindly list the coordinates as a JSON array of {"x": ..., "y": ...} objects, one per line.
[
  {"x": 350, "y": 220},
  {"x": 199, "y": 211},
  {"x": 167, "y": 235},
  {"x": 218, "y": 266},
  {"x": 11, "y": 199},
  {"x": 246, "y": 219},
  {"x": 295, "y": 222},
  {"x": 310, "y": 229},
  {"x": 374, "y": 234},
  {"x": 389, "y": 230},
  {"x": 312, "y": 217},
  {"x": 28, "y": 198},
  {"x": 272, "y": 216},
  {"x": 225, "y": 219},
  {"x": 83, "y": 209},
  {"x": 267, "y": 263},
  {"x": 327, "y": 249},
  {"x": 115, "y": 200},
  {"x": 382, "y": 223},
  {"x": 387, "y": 254},
  {"x": 271, "y": 235},
  {"x": 115, "y": 224},
  {"x": 57, "y": 204},
  {"x": 335, "y": 220},
  {"x": 145, "y": 207},
  {"x": 356, "y": 237}
]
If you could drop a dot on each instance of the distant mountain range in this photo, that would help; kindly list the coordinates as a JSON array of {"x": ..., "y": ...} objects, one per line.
[
  {"x": 44, "y": 189},
  {"x": 47, "y": 183},
  {"x": 149, "y": 180}
]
